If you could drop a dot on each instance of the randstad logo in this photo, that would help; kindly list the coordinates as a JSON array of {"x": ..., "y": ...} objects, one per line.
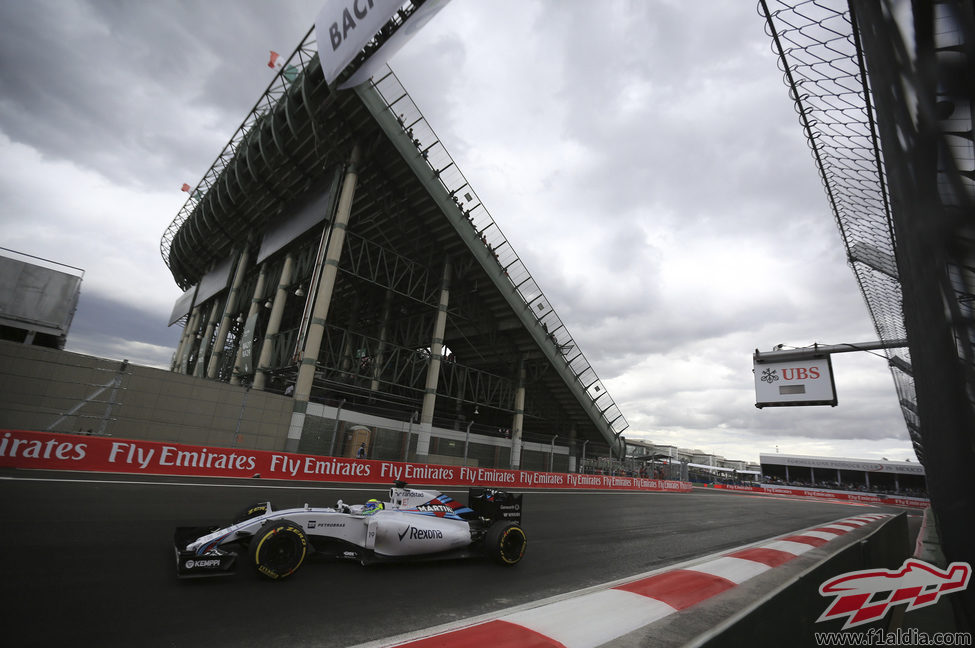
[{"x": 916, "y": 583}]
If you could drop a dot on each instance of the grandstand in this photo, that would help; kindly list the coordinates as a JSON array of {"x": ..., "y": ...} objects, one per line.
[
  {"x": 334, "y": 251},
  {"x": 884, "y": 476}
]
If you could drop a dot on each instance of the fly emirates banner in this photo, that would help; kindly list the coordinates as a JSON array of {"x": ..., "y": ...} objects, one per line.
[{"x": 53, "y": 451}]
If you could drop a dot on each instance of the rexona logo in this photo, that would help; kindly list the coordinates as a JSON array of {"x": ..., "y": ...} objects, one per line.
[
  {"x": 864, "y": 596},
  {"x": 421, "y": 534}
]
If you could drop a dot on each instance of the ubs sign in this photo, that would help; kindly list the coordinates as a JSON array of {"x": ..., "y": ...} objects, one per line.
[{"x": 794, "y": 382}]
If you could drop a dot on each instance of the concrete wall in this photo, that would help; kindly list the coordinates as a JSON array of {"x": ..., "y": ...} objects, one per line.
[{"x": 39, "y": 386}]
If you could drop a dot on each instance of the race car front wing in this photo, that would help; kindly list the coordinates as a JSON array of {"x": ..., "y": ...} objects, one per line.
[{"x": 189, "y": 564}]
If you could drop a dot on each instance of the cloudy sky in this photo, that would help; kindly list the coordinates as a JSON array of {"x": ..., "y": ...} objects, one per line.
[{"x": 643, "y": 158}]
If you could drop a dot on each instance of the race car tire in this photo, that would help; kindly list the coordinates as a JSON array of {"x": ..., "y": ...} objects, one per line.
[
  {"x": 278, "y": 549},
  {"x": 252, "y": 511},
  {"x": 505, "y": 543}
]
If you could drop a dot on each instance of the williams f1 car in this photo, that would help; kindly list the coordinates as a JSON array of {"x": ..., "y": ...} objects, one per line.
[{"x": 412, "y": 525}]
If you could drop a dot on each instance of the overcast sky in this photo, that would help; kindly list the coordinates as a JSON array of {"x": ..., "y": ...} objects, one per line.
[{"x": 642, "y": 157}]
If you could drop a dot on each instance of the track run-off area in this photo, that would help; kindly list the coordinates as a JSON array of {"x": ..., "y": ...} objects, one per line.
[{"x": 89, "y": 559}]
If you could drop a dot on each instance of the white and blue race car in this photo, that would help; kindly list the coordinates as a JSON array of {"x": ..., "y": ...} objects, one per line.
[{"x": 412, "y": 525}]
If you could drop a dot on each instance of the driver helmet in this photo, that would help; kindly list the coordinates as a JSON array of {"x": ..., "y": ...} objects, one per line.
[{"x": 372, "y": 506}]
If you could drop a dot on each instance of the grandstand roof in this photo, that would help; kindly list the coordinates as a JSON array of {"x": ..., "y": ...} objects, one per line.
[{"x": 868, "y": 465}]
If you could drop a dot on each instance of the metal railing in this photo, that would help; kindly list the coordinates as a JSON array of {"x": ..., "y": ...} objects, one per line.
[{"x": 443, "y": 167}]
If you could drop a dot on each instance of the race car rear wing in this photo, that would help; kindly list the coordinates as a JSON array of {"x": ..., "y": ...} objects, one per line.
[{"x": 495, "y": 504}]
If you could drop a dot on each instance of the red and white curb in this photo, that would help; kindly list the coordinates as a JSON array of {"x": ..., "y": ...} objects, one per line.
[{"x": 597, "y": 617}]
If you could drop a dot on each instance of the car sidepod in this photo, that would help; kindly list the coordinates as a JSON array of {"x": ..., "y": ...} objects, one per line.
[{"x": 411, "y": 534}]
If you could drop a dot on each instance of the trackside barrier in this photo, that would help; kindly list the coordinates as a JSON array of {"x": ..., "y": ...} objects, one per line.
[
  {"x": 787, "y": 615},
  {"x": 917, "y": 502},
  {"x": 54, "y": 451}
]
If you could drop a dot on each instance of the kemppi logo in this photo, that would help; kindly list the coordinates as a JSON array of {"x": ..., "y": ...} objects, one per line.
[
  {"x": 916, "y": 583},
  {"x": 209, "y": 562}
]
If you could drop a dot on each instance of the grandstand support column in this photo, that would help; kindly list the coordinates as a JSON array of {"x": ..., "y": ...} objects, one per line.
[
  {"x": 381, "y": 348},
  {"x": 519, "y": 417},
  {"x": 274, "y": 322},
  {"x": 228, "y": 312},
  {"x": 201, "y": 355},
  {"x": 433, "y": 369},
  {"x": 323, "y": 299},
  {"x": 255, "y": 305},
  {"x": 186, "y": 341}
]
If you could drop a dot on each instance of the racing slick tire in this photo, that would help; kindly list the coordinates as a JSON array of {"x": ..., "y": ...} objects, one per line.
[
  {"x": 252, "y": 511},
  {"x": 505, "y": 543},
  {"x": 278, "y": 549}
]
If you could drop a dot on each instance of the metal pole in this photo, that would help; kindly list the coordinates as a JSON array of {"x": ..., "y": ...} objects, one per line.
[
  {"x": 409, "y": 434},
  {"x": 782, "y": 355},
  {"x": 335, "y": 432},
  {"x": 240, "y": 415},
  {"x": 467, "y": 438},
  {"x": 622, "y": 453},
  {"x": 551, "y": 453},
  {"x": 584, "y": 444}
]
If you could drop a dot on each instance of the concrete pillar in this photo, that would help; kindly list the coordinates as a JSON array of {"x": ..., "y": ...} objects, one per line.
[
  {"x": 812, "y": 475},
  {"x": 228, "y": 310},
  {"x": 323, "y": 299},
  {"x": 200, "y": 370},
  {"x": 186, "y": 340},
  {"x": 274, "y": 322},
  {"x": 174, "y": 366},
  {"x": 433, "y": 369},
  {"x": 256, "y": 302},
  {"x": 377, "y": 361},
  {"x": 519, "y": 417}
]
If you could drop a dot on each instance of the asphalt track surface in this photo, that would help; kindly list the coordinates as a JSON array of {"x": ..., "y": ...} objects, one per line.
[{"x": 89, "y": 560}]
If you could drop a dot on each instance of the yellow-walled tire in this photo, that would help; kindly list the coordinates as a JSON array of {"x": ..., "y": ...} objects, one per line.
[
  {"x": 278, "y": 549},
  {"x": 505, "y": 543}
]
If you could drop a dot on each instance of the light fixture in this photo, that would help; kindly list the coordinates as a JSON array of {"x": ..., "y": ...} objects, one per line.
[
  {"x": 267, "y": 304},
  {"x": 475, "y": 411},
  {"x": 300, "y": 292}
]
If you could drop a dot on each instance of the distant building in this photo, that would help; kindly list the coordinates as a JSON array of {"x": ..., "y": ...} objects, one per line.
[{"x": 38, "y": 299}]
